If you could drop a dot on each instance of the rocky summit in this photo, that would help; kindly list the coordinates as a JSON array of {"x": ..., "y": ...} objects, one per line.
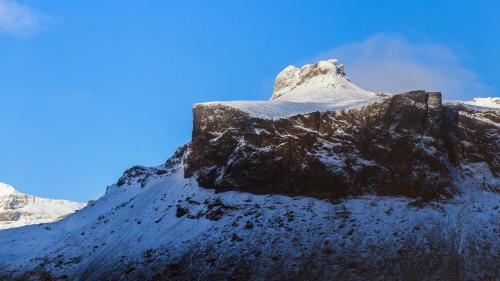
[{"x": 324, "y": 181}]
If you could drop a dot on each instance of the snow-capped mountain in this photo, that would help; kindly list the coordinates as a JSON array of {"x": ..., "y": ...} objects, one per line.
[
  {"x": 340, "y": 185},
  {"x": 323, "y": 81},
  {"x": 321, "y": 86},
  {"x": 18, "y": 209}
]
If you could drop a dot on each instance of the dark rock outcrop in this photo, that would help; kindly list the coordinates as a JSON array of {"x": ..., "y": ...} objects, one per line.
[{"x": 409, "y": 144}]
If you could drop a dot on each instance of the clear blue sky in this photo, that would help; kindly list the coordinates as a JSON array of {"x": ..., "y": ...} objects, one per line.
[{"x": 90, "y": 88}]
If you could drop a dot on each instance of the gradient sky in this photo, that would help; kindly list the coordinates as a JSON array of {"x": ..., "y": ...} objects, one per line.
[{"x": 90, "y": 88}]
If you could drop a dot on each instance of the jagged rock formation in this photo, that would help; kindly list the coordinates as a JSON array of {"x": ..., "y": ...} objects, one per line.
[
  {"x": 371, "y": 156},
  {"x": 18, "y": 209}
]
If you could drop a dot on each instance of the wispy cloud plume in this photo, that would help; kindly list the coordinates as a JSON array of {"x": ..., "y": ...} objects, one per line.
[
  {"x": 392, "y": 64},
  {"x": 18, "y": 19}
]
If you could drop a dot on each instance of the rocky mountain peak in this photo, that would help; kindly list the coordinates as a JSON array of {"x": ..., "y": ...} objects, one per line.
[{"x": 321, "y": 81}]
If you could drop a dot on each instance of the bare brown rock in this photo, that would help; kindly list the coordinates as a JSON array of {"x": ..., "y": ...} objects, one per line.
[{"x": 408, "y": 144}]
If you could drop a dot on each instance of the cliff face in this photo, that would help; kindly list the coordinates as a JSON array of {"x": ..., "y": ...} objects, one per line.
[{"x": 409, "y": 144}]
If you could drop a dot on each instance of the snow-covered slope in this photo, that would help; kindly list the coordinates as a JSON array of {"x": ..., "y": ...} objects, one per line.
[
  {"x": 165, "y": 227},
  {"x": 321, "y": 86},
  {"x": 18, "y": 209}
]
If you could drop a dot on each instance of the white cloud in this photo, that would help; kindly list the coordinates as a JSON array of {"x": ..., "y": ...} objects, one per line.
[
  {"x": 19, "y": 19},
  {"x": 392, "y": 64}
]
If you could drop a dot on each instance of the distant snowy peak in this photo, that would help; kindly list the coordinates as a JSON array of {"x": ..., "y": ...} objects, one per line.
[
  {"x": 321, "y": 82},
  {"x": 6, "y": 189},
  {"x": 485, "y": 102},
  {"x": 18, "y": 209}
]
